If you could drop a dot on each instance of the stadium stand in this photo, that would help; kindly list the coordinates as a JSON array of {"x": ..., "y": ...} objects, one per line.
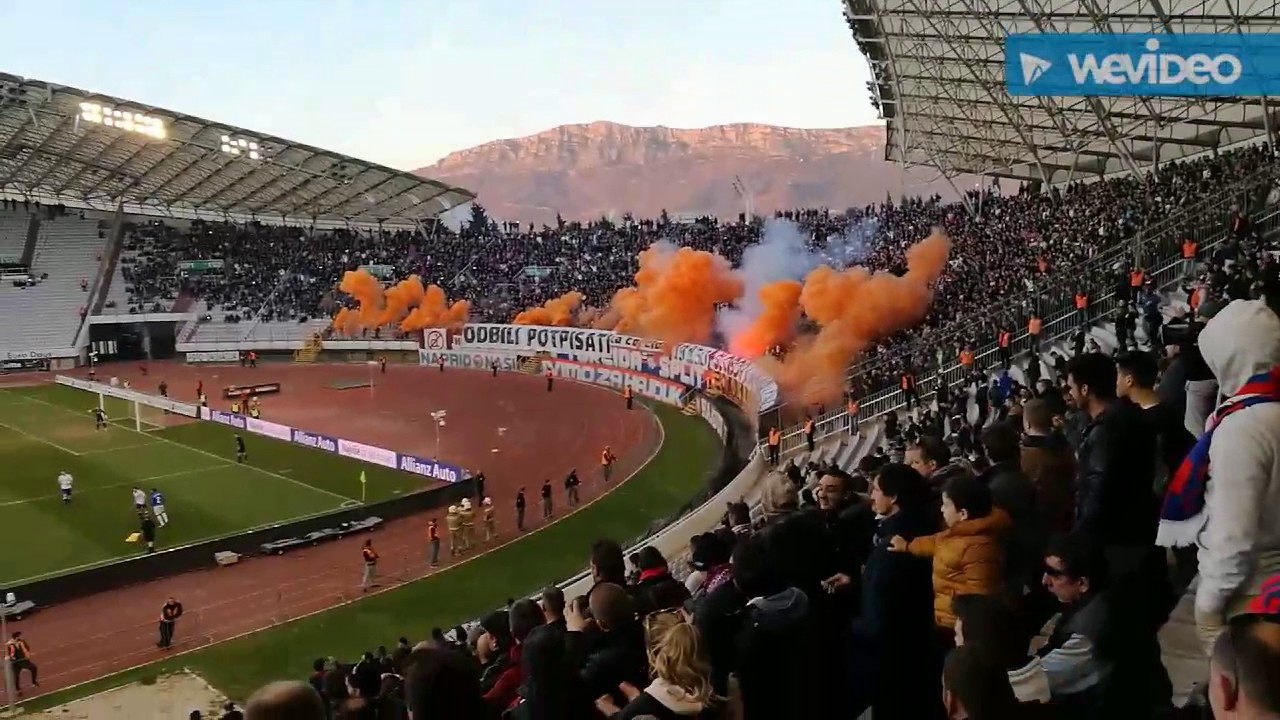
[
  {"x": 13, "y": 235},
  {"x": 67, "y": 255}
]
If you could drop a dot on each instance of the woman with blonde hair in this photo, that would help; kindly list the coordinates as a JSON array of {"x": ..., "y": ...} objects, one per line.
[{"x": 681, "y": 686}]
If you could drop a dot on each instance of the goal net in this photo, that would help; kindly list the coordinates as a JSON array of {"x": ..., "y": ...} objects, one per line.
[{"x": 132, "y": 409}]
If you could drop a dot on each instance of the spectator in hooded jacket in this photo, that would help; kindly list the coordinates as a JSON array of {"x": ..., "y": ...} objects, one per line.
[
  {"x": 967, "y": 554},
  {"x": 655, "y": 589},
  {"x": 775, "y": 623},
  {"x": 893, "y": 633},
  {"x": 1226, "y": 496}
]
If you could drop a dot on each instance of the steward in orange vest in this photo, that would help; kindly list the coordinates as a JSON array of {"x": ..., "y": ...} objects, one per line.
[
  {"x": 808, "y": 432},
  {"x": 775, "y": 446},
  {"x": 626, "y": 394},
  {"x": 1004, "y": 342}
]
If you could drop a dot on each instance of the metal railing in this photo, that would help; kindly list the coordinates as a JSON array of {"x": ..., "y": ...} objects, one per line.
[{"x": 1157, "y": 246}]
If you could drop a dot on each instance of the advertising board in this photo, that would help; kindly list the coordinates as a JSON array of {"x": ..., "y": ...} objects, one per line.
[{"x": 426, "y": 467}]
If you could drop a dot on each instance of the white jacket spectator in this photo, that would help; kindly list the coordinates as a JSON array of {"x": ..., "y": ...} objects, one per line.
[{"x": 1240, "y": 543}]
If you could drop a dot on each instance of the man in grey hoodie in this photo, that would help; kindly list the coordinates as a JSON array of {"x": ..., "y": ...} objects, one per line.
[{"x": 1238, "y": 531}]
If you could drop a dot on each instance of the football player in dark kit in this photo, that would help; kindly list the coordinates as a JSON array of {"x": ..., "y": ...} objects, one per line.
[{"x": 241, "y": 453}]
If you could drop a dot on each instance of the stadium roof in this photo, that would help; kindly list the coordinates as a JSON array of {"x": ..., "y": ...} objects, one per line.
[
  {"x": 56, "y": 147},
  {"x": 938, "y": 68}
]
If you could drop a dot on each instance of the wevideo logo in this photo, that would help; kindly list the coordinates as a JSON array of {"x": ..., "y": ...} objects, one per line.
[{"x": 1101, "y": 64}]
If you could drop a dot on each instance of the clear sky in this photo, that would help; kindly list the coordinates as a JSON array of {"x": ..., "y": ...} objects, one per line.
[{"x": 403, "y": 83}]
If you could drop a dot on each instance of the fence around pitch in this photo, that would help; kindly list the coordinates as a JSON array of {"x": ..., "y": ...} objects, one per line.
[{"x": 1160, "y": 248}]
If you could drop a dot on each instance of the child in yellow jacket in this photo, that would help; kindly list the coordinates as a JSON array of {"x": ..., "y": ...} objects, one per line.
[{"x": 967, "y": 556}]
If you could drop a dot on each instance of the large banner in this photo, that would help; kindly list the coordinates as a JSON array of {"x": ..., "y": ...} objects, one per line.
[
  {"x": 700, "y": 367},
  {"x": 540, "y": 338},
  {"x": 426, "y": 467},
  {"x": 506, "y": 362},
  {"x": 647, "y": 386}
]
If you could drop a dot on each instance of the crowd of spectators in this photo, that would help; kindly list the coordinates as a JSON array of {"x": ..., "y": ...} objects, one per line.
[
  {"x": 1010, "y": 551},
  {"x": 1008, "y": 250}
]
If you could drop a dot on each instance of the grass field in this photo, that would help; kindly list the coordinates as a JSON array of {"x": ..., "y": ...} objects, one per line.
[
  {"x": 45, "y": 430},
  {"x": 444, "y": 599}
]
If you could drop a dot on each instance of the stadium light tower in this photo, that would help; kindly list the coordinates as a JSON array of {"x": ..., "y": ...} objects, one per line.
[
  {"x": 126, "y": 120},
  {"x": 241, "y": 146}
]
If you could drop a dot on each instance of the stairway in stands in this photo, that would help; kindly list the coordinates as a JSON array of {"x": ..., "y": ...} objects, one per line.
[
  {"x": 310, "y": 350},
  {"x": 532, "y": 365}
]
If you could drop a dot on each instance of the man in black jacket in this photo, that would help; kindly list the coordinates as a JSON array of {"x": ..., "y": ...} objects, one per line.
[
  {"x": 1115, "y": 475},
  {"x": 619, "y": 654}
]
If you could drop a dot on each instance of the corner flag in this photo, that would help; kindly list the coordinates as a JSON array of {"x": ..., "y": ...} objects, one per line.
[{"x": 364, "y": 481}]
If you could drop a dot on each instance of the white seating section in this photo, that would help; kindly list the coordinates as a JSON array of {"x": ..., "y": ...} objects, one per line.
[
  {"x": 13, "y": 232},
  {"x": 68, "y": 250},
  {"x": 247, "y": 331}
]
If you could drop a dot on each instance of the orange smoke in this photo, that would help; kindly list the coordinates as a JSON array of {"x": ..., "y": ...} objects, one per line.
[
  {"x": 853, "y": 308},
  {"x": 675, "y": 295},
  {"x": 776, "y": 323},
  {"x": 436, "y": 311},
  {"x": 407, "y": 302},
  {"x": 561, "y": 311}
]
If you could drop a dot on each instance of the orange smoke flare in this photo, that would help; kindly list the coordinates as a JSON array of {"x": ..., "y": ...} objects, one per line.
[
  {"x": 415, "y": 307},
  {"x": 853, "y": 308},
  {"x": 776, "y": 323},
  {"x": 675, "y": 295},
  {"x": 562, "y": 311}
]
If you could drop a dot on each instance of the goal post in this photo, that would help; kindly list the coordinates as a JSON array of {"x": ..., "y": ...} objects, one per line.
[{"x": 141, "y": 412}]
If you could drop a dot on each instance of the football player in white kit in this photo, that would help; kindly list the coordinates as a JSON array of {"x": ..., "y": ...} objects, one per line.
[
  {"x": 139, "y": 501},
  {"x": 64, "y": 484}
]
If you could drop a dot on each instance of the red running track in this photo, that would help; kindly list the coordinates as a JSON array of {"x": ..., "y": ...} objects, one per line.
[{"x": 547, "y": 433}]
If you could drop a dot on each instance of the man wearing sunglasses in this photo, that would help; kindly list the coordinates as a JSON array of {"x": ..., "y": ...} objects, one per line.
[{"x": 1101, "y": 656}]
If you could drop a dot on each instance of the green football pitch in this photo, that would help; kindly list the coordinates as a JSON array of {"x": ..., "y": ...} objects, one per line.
[
  {"x": 46, "y": 430},
  {"x": 550, "y": 553}
]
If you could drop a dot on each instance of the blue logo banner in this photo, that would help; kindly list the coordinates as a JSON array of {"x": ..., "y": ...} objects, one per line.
[{"x": 1102, "y": 64}]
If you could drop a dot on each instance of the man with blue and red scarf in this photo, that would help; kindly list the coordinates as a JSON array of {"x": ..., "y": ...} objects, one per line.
[{"x": 1226, "y": 495}]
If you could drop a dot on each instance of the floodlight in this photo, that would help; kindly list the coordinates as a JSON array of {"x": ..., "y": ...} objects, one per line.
[
  {"x": 240, "y": 147},
  {"x": 126, "y": 120}
]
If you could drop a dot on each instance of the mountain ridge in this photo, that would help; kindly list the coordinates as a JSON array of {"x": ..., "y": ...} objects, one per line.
[{"x": 587, "y": 170}]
